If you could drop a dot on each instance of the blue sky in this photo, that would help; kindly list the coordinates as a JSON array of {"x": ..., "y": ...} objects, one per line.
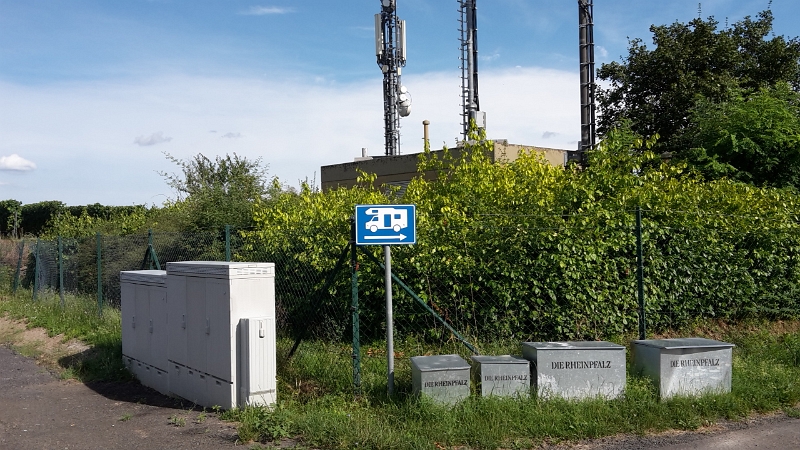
[{"x": 94, "y": 91}]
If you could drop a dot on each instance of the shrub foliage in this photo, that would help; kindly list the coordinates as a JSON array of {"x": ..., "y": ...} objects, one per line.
[{"x": 526, "y": 250}]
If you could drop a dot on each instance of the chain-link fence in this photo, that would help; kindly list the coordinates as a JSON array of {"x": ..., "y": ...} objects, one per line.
[{"x": 489, "y": 286}]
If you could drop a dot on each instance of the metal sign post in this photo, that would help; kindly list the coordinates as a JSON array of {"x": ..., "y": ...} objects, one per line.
[
  {"x": 387, "y": 256},
  {"x": 387, "y": 225}
]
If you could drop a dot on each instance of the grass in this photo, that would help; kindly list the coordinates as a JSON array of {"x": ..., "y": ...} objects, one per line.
[
  {"x": 317, "y": 408},
  {"x": 78, "y": 319},
  {"x": 316, "y": 403}
]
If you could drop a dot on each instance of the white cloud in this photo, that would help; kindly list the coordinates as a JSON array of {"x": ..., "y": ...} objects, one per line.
[
  {"x": 602, "y": 51},
  {"x": 231, "y": 135},
  {"x": 495, "y": 55},
  {"x": 16, "y": 163},
  {"x": 295, "y": 124},
  {"x": 153, "y": 139},
  {"x": 264, "y": 10}
]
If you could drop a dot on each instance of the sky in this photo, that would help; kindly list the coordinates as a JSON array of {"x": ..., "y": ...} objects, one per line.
[{"x": 94, "y": 93}]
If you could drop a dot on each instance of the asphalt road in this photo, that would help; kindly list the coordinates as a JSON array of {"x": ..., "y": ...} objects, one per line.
[
  {"x": 39, "y": 411},
  {"x": 776, "y": 432}
]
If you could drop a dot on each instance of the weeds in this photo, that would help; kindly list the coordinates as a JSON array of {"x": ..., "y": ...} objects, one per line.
[
  {"x": 178, "y": 421},
  {"x": 125, "y": 417},
  {"x": 261, "y": 424}
]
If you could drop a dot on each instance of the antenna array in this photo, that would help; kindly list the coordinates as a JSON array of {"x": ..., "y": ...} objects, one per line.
[
  {"x": 470, "y": 103},
  {"x": 586, "y": 47},
  {"x": 390, "y": 50}
]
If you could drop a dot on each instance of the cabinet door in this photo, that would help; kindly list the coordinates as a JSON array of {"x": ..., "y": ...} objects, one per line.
[
  {"x": 160, "y": 338},
  {"x": 176, "y": 318},
  {"x": 141, "y": 324},
  {"x": 197, "y": 323},
  {"x": 222, "y": 334},
  {"x": 128, "y": 311},
  {"x": 257, "y": 362}
]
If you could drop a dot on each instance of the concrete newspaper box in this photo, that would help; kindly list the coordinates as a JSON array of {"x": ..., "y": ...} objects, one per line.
[
  {"x": 576, "y": 370},
  {"x": 503, "y": 376},
  {"x": 443, "y": 378},
  {"x": 688, "y": 366}
]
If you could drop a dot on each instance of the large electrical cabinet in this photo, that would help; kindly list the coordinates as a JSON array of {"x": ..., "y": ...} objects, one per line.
[
  {"x": 144, "y": 326},
  {"x": 203, "y": 331},
  {"x": 207, "y": 302}
]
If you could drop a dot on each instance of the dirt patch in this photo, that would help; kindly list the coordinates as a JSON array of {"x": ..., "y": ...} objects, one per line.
[{"x": 36, "y": 343}]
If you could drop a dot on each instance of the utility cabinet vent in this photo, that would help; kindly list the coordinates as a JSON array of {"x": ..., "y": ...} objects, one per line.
[{"x": 221, "y": 269}]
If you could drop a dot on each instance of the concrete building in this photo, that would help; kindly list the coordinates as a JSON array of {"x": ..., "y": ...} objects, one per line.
[{"x": 399, "y": 170}]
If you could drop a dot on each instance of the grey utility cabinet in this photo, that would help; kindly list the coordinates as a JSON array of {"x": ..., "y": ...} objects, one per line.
[
  {"x": 686, "y": 366},
  {"x": 144, "y": 326},
  {"x": 502, "y": 376},
  {"x": 207, "y": 301},
  {"x": 443, "y": 378},
  {"x": 577, "y": 369}
]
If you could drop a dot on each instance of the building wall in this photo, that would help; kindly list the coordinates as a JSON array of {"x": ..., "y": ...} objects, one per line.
[{"x": 399, "y": 170}]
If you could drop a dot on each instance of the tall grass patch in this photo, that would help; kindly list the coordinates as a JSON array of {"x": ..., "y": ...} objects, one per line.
[
  {"x": 765, "y": 379},
  {"x": 79, "y": 319}
]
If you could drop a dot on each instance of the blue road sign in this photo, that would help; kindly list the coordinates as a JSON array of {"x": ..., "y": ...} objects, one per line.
[{"x": 386, "y": 224}]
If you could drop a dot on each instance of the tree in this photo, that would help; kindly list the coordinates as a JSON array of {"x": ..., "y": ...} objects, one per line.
[
  {"x": 36, "y": 216},
  {"x": 214, "y": 193},
  {"x": 656, "y": 90},
  {"x": 9, "y": 216},
  {"x": 753, "y": 139}
]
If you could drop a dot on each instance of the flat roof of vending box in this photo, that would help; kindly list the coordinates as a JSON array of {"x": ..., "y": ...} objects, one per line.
[
  {"x": 148, "y": 277},
  {"x": 439, "y": 362},
  {"x": 501, "y": 359},
  {"x": 679, "y": 343},
  {"x": 220, "y": 269},
  {"x": 574, "y": 345}
]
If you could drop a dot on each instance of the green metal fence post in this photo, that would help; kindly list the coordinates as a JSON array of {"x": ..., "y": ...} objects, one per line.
[
  {"x": 36, "y": 271},
  {"x": 19, "y": 267},
  {"x": 150, "y": 246},
  {"x": 99, "y": 274},
  {"x": 227, "y": 242},
  {"x": 61, "y": 272},
  {"x": 354, "y": 309},
  {"x": 640, "y": 274}
]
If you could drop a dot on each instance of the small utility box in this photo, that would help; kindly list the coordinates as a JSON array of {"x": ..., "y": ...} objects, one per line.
[
  {"x": 143, "y": 301},
  {"x": 687, "y": 366},
  {"x": 443, "y": 378},
  {"x": 502, "y": 376},
  {"x": 577, "y": 370}
]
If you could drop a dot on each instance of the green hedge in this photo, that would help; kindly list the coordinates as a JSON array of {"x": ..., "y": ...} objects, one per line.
[{"x": 526, "y": 250}]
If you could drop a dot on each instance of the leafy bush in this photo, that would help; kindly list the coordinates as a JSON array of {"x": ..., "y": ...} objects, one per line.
[{"x": 526, "y": 250}]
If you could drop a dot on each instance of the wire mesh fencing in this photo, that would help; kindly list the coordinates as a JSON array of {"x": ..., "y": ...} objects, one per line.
[{"x": 483, "y": 285}]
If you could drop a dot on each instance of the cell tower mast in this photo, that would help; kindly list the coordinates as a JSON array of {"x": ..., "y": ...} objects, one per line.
[
  {"x": 390, "y": 49},
  {"x": 470, "y": 103},
  {"x": 586, "y": 43}
]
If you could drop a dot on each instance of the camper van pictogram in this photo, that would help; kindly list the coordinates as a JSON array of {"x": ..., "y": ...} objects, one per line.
[{"x": 387, "y": 219}]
